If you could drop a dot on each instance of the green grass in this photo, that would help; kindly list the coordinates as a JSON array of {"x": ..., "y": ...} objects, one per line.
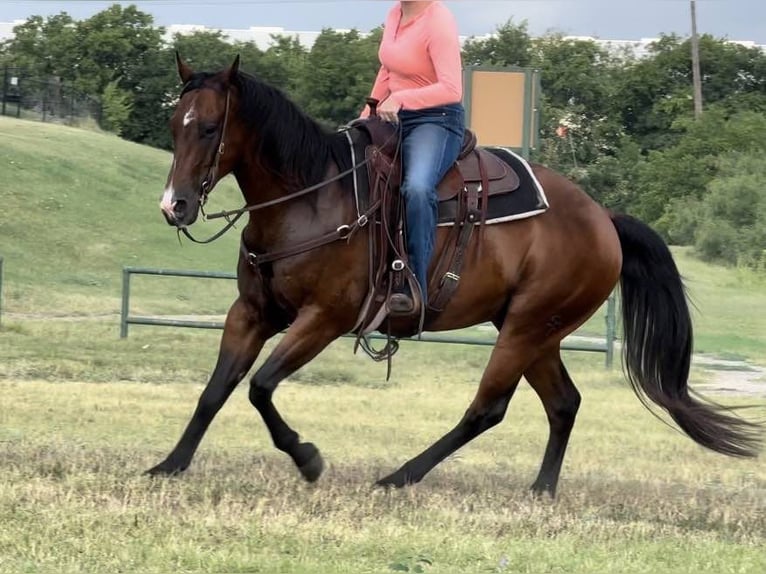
[
  {"x": 84, "y": 204},
  {"x": 84, "y": 413},
  {"x": 635, "y": 495},
  {"x": 729, "y": 308},
  {"x": 79, "y": 206}
]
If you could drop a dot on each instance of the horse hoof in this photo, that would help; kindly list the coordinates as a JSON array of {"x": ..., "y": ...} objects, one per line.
[
  {"x": 312, "y": 469},
  {"x": 395, "y": 480},
  {"x": 541, "y": 491},
  {"x": 165, "y": 469}
]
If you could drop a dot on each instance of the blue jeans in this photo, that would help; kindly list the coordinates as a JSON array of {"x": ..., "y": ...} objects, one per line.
[{"x": 431, "y": 142}]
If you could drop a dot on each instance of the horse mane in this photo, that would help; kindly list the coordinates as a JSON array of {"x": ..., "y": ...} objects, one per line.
[{"x": 291, "y": 144}]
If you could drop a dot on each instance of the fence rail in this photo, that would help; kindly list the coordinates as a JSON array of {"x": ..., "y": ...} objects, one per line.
[{"x": 605, "y": 346}]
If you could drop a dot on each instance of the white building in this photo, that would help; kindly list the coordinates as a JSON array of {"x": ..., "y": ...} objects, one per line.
[{"x": 262, "y": 36}]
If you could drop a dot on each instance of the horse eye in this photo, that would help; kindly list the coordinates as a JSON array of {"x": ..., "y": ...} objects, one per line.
[{"x": 209, "y": 130}]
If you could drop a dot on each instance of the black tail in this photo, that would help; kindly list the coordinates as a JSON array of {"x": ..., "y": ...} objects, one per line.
[{"x": 658, "y": 343}]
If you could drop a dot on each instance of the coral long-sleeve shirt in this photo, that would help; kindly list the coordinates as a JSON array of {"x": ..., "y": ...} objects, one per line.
[{"x": 421, "y": 65}]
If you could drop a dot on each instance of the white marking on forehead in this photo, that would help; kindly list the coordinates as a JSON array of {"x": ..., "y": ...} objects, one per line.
[{"x": 190, "y": 116}]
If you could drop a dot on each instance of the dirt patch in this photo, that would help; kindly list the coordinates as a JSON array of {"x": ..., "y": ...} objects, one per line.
[{"x": 731, "y": 377}]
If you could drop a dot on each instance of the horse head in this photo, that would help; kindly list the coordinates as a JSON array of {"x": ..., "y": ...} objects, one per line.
[{"x": 205, "y": 140}]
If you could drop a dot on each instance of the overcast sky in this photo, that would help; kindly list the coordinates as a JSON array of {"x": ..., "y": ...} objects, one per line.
[{"x": 607, "y": 19}]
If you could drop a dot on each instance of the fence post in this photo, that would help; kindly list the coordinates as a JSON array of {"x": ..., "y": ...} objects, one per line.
[
  {"x": 21, "y": 94},
  {"x": 45, "y": 100},
  {"x": 1, "y": 292},
  {"x": 125, "y": 303},
  {"x": 611, "y": 329},
  {"x": 5, "y": 86}
]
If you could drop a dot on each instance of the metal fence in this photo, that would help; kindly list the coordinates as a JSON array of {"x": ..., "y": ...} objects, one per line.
[
  {"x": 605, "y": 345},
  {"x": 47, "y": 99}
]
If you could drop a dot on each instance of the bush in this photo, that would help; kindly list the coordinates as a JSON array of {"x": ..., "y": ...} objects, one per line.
[
  {"x": 732, "y": 219},
  {"x": 116, "y": 107}
]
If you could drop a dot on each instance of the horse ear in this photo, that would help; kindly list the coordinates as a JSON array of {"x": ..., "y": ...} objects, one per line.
[
  {"x": 183, "y": 69},
  {"x": 234, "y": 70}
]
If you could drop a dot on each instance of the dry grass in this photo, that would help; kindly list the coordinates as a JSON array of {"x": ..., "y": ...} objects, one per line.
[{"x": 635, "y": 497}]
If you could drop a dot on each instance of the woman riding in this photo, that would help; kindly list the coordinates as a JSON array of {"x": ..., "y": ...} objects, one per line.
[{"x": 419, "y": 86}]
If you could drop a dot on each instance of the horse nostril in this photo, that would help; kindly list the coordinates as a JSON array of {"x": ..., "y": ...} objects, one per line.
[{"x": 179, "y": 208}]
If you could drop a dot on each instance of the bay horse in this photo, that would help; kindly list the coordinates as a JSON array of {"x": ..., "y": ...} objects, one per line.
[{"x": 537, "y": 280}]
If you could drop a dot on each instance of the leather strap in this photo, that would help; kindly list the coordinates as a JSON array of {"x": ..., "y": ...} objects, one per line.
[{"x": 343, "y": 233}]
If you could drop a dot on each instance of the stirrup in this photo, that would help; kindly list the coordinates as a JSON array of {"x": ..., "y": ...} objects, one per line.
[{"x": 401, "y": 304}]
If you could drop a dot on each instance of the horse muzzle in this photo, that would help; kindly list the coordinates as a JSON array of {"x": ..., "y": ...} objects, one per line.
[{"x": 178, "y": 212}]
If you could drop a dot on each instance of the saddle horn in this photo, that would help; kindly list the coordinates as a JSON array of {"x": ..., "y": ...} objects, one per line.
[{"x": 373, "y": 103}]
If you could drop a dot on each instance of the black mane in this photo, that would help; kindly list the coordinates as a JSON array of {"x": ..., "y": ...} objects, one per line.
[{"x": 291, "y": 144}]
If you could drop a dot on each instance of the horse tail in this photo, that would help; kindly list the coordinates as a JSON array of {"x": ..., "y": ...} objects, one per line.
[{"x": 657, "y": 345}]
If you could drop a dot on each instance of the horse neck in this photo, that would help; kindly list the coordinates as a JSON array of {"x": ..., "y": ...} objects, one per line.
[{"x": 295, "y": 219}]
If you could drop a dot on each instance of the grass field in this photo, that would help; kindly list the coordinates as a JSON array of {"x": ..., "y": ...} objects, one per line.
[{"x": 84, "y": 413}]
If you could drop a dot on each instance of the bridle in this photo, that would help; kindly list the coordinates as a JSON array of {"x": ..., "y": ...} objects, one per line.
[
  {"x": 232, "y": 216},
  {"x": 210, "y": 178}
]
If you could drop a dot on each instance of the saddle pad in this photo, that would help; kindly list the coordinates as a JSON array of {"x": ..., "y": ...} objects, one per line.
[{"x": 526, "y": 201}]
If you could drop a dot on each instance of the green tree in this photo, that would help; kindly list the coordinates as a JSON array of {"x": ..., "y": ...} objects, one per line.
[
  {"x": 205, "y": 50},
  {"x": 112, "y": 44},
  {"x": 732, "y": 222},
  {"x": 283, "y": 65},
  {"x": 686, "y": 169},
  {"x": 510, "y": 45},
  {"x": 578, "y": 85},
  {"x": 116, "y": 107},
  {"x": 341, "y": 69},
  {"x": 44, "y": 47},
  {"x": 656, "y": 91}
]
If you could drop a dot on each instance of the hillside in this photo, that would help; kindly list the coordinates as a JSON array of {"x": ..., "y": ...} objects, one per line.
[{"x": 79, "y": 205}]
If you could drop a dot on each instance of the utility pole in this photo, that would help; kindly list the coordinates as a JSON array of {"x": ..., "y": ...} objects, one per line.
[{"x": 697, "y": 79}]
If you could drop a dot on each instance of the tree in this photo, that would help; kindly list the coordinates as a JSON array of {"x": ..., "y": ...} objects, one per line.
[
  {"x": 656, "y": 91},
  {"x": 732, "y": 216},
  {"x": 205, "y": 50},
  {"x": 686, "y": 169},
  {"x": 341, "y": 69},
  {"x": 113, "y": 44},
  {"x": 44, "y": 47},
  {"x": 578, "y": 85},
  {"x": 510, "y": 45},
  {"x": 116, "y": 107}
]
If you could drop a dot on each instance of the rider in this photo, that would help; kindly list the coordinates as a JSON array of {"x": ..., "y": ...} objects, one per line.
[{"x": 420, "y": 87}]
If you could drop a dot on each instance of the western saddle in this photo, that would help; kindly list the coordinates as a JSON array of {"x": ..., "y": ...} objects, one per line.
[{"x": 476, "y": 175}]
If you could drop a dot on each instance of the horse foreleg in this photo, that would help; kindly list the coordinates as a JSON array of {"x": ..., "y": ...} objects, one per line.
[
  {"x": 488, "y": 408},
  {"x": 243, "y": 338},
  {"x": 561, "y": 400},
  {"x": 303, "y": 341}
]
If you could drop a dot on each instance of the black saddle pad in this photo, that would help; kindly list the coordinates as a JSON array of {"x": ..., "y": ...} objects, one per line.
[{"x": 526, "y": 201}]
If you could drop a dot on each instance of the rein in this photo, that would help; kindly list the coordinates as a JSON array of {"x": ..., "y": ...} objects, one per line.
[{"x": 343, "y": 232}]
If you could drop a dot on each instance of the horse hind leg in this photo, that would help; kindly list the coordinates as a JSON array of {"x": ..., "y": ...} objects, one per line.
[
  {"x": 509, "y": 359},
  {"x": 561, "y": 400}
]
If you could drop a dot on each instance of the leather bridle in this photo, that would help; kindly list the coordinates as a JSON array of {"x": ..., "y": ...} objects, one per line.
[{"x": 232, "y": 216}]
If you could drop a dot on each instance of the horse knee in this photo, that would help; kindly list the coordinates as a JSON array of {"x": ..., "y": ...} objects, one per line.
[{"x": 488, "y": 418}]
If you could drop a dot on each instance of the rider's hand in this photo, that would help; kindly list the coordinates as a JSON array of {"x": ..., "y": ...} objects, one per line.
[{"x": 389, "y": 111}]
